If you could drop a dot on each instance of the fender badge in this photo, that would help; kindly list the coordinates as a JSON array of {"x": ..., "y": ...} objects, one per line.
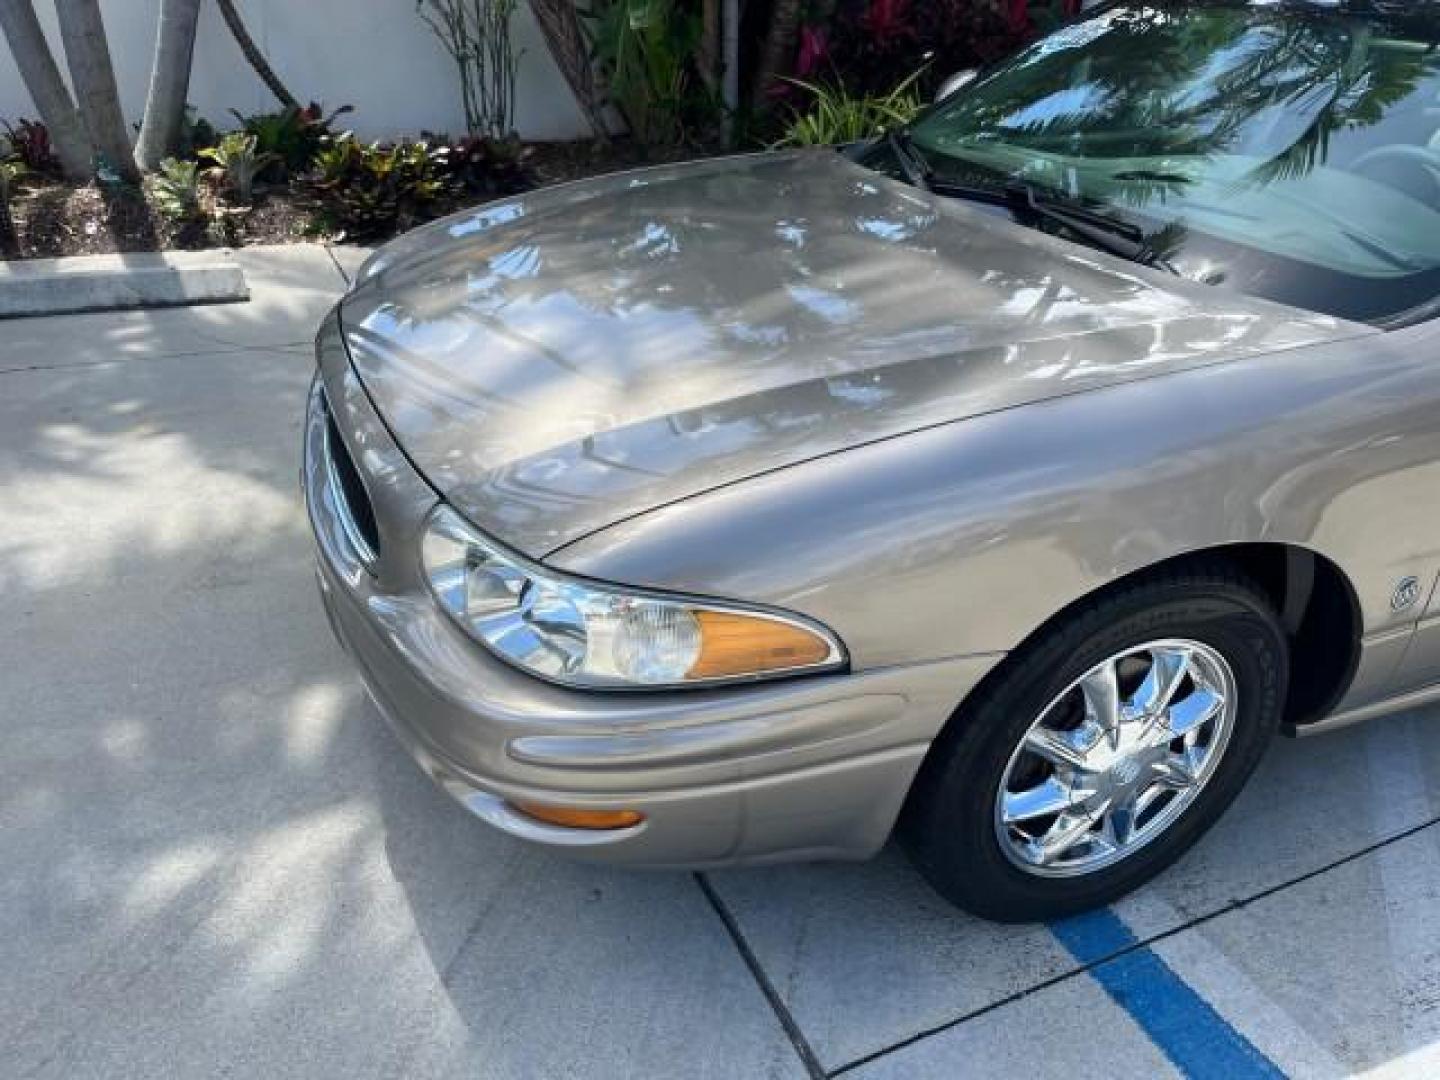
[{"x": 1406, "y": 593}]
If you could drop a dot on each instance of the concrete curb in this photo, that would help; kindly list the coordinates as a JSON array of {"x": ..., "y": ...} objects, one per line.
[{"x": 116, "y": 282}]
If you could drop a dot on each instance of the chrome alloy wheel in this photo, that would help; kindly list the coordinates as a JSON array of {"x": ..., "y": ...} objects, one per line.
[{"x": 1115, "y": 758}]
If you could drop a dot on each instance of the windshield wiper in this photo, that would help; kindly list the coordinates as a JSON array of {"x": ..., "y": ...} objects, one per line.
[
  {"x": 912, "y": 162},
  {"x": 1112, "y": 234},
  {"x": 1100, "y": 230}
]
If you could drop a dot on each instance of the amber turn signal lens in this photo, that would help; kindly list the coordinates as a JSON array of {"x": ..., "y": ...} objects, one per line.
[
  {"x": 573, "y": 817},
  {"x": 738, "y": 644}
]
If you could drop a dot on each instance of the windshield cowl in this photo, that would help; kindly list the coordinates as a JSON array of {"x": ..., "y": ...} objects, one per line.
[{"x": 1288, "y": 151}]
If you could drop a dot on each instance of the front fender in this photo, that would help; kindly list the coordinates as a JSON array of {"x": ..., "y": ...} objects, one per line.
[{"x": 964, "y": 538}]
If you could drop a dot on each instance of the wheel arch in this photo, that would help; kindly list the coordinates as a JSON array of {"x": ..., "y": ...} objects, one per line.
[{"x": 1314, "y": 598}]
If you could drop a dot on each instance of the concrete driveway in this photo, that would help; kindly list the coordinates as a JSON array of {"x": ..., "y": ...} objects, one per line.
[{"x": 215, "y": 861}]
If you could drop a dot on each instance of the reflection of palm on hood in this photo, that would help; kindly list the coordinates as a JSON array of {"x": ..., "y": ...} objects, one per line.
[{"x": 564, "y": 360}]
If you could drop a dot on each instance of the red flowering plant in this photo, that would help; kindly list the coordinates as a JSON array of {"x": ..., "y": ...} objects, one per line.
[
  {"x": 814, "y": 51},
  {"x": 874, "y": 44},
  {"x": 29, "y": 144}
]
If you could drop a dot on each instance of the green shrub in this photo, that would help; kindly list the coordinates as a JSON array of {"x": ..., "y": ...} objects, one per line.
[
  {"x": 483, "y": 167},
  {"x": 476, "y": 35},
  {"x": 646, "y": 50},
  {"x": 837, "y": 116},
  {"x": 237, "y": 164},
  {"x": 361, "y": 191}
]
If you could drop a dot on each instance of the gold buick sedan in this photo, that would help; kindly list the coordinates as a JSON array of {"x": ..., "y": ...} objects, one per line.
[{"x": 1011, "y": 479}]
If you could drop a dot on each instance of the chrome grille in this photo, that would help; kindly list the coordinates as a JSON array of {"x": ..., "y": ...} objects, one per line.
[{"x": 352, "y": 502}]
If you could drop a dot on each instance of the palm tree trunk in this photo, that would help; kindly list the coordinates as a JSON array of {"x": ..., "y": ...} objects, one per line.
[
  {"x": 779, "y": 51},
  {"x": 707, "y": 56},
  {"x": 42, "y": 79},
  {"x": 253, "y": 55},
  {"x": 169, "y": 82},
  {"x": 87, "y": 54},
  {"x": 560, "y": 24},
  {"x": 730, "y": 63}
]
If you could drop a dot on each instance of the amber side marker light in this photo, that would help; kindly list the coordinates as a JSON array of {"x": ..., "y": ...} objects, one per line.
[
  {"x": 573, "y": 817},
  {"x": 736, "y": 644}
]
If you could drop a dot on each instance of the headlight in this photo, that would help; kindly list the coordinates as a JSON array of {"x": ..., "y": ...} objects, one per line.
[{"x": 585, "y": 634}]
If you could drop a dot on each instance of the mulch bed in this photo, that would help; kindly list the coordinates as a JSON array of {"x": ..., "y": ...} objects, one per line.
[
  {"x": 65, "y": 220},
  {"x": 61, "y": 219}
]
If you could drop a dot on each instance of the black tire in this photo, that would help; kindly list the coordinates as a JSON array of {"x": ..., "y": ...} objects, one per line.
[{"x": 949, "y": 827}]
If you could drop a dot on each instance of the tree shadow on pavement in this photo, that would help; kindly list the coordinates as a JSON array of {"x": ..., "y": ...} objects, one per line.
[
  {"x": 216, "y": 856},
  {"x": 215, "y": 853}
]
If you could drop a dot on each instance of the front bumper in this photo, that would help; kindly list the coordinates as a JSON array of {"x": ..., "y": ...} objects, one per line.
[{"x": 807, "y": 768}]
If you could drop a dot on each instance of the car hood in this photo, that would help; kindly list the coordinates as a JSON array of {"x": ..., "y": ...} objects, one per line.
[{"x": 561, "y": 361}]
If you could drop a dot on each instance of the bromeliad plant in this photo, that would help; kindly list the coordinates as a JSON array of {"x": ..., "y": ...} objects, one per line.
[
  {"x": 175, "y": 190},
  {"x": 11, "y": 172},
  {"x": 237, "y": 164},
  {"x": 291, "y": 137}
]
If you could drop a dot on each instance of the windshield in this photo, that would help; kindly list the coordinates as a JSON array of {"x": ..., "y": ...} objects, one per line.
[{"x": 1291, "y": 151}]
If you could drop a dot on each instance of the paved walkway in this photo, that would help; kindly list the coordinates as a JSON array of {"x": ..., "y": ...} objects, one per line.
[{"x": 215, "y": 861}]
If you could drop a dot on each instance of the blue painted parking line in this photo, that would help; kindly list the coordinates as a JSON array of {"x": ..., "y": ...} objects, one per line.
[{"x": 1196, "y": 1039}]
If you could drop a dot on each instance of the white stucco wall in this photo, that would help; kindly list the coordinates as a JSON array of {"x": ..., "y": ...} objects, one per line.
[{"x": 374, "y": 54}]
